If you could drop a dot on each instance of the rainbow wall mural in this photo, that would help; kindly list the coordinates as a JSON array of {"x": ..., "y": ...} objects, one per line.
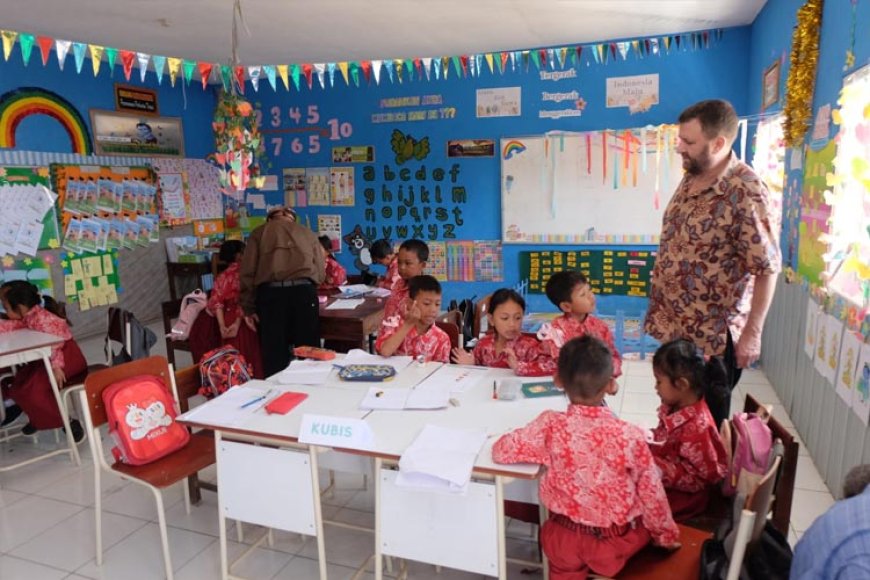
[{"x": 20, "y": 103}]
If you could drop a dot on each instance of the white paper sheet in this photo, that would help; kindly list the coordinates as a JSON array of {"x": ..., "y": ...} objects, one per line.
[
  {"x": 360, "y": 357},
  {"x": 354, "y": 289},
  {"x": 345, "y": 304},
  {"x": 387, "y": 399},
  {"x": 453, "y": 379},
  {"x": 441, "y": 458},
  {"x": 305, "y": 372},
  {"x": 227, "y": 408},
  {"x": 428, "y": 398}
]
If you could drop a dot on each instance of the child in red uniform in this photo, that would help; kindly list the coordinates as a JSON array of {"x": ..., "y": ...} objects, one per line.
[
  {"x": 415, "y": 332},
  {"x": 601, "y": 485},
  {"x": 223, "y": 304},
  {"x": 382, "y": 253},
  {"x": 31, "y": 387},
  {"x": 507, "y": 346},
  {"x": 686, "y": 445},
  {"x": 336, "y": 275},
  {"x": 571, "y": 293},
  {"x": 411, "y": 262}
]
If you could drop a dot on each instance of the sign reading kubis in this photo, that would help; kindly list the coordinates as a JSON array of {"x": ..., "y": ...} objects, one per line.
[{"x": 614, "y": 272}]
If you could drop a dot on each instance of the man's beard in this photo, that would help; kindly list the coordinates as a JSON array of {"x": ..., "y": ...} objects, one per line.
[{"x": 696, "y": 166}]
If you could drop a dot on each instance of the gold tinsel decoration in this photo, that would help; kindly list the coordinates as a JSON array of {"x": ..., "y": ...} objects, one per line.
[{"x": 801, "y": 81}]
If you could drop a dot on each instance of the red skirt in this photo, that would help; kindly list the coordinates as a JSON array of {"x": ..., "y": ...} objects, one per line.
[{"x": 31, "y": 387}]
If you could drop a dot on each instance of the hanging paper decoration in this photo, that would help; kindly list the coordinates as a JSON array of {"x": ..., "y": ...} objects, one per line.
[
  {"x": 536, "y": 57},
  {"x": 307, "y": 70},
  {"x": 408, "y": 66},
  {"x": 187, "y": 67},
  {"x": 225, "y": 73},
  {"x": 489, "y": 62},
  {"x": 79, "y": 50},
  {"x": 376, "y": 69},
  {"x": 354, "y": 73},
  {"x": 8, "y": 42},
  {"x": 237, "y": 142},
  {"x": 366, "y": 67},
  {"x": 427, "y": 65},
  {"x": 143, "y": 59},
  {"x": 460, "y": 65},
  {"x": 174, "y": 68},
  {"x": 111, "y": 56},
  {"x": 254, "y": 73},
  {"x": 96, "y": 57},
  {"x": 282, "y": 72},
  {"x": 330, "y": 69},
  {"x": 62, "y": 48},
  {"x": 45, "y": 43},
  {"x": 204, "y": 72},
  {"x": 445, "y": 66},
  {"x": 159, "y": 65},
  {"x": 25, "y": 41},
  {"x": 295, "y": 74},
  {"x": 342, "y": 66},
  {"x": 320, "y": 71},
  {"x": 239, "y": 78},
  {"x": 801, "y": 80},
  {"x": 525, "y": 61},
  {"x": 389, "y": 66}
]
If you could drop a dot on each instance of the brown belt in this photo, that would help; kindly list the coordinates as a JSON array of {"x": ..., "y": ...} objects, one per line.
[{"x": 613, "y": 531}]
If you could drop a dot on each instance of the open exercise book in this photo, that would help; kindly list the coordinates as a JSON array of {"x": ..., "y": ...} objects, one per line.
[
  {"x": 432, "y": 393},
  {"x": 441, "y": 458}
]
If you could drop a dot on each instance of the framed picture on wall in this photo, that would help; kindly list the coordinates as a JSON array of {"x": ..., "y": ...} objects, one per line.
[
  {"x": 770, "y": 86},
  {"x": 128, "y": 134}
]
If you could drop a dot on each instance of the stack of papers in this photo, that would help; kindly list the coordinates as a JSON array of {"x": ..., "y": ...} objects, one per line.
[
  {"x": 305, "y": 372},
  {"x": 22, "y": 209},
  {"x": 360, "y": 357},
  {"x": 345, "y": 304},
  {"x": 441, "y": 459}
]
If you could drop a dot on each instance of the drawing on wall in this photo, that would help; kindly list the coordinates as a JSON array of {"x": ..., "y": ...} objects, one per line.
[
  {"x": 295, "y": 194},
  {"x": 18, "y": 104},
  {"x": 341, "y": 186},
  {"x": 317, "y": 185},
  {"x": 125, "y": 134},
  {"x": 470, "y": 148},
  {"x": 359, "y": 245},
  {"x": 638, "y": 93},
  {"x": 353, "y": 154},
  {"x": 861, "y": 396},
  {"x": 406, "y": 147},
  {"x": 501, "y": 102},
  {"x": 848, "y": 364}
]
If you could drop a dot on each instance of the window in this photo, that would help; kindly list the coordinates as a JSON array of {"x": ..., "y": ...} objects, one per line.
[{"x": 768, "y": 160}]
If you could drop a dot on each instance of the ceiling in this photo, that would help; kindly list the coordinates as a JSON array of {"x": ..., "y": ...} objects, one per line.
[{"x": 297, "y": 31}]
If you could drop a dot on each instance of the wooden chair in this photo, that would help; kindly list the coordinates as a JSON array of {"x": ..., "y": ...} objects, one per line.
[
  {"x": 453, "y": 317},
  {"x": 118, "y": 331},
  {"x": 170, "y": 310},
  {"x": 198, "y": 454},
  {"x": 187, "y": 382},
  {"x": 480, "y": 310},
  {"x": 452, "y": 331}
]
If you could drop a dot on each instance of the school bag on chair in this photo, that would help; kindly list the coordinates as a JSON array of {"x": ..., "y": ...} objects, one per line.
[
  {"x": 749, "y": 444},
  {"x": 191, "y": 305},
  {"x": 221, "y": 369},
  {"x": 141, "y": 416}
]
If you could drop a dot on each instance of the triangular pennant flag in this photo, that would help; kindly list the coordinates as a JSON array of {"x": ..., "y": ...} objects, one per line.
[
  {"x": 667, "y": 41},
  {"x": 579, "y": 52},
  {"x": 515, "y": 55},
  {"x": 111, "y": 56},
  {"x": 409, "y": 67},
  {"x": 654, "y": 45},
  {"x": 376, "y": 69},
  {"x": 127, "y": 62},
  {"x": 623, "y": 49},
  {"x": 320, "y": 71},
  {"x": 366, "y": 67},
  {"x": 436, "y": 66},
  {"x": 635, "y": 45},
  {"x": 96, "y": 57},
  {"x": 551, "y": 58},
  {"x": 502, "y": 59},
  {"x": 269, "y": 71},
  {"x": 330, "y": 70},
  {"x": 159, "y": 66},
  {"x": 187, "y": 67},
  {"x": 354, "y": 72},
  {"x": 295, "y": 74},
  {"x": 174, "y": 67},
  {"x": 489, "y": 62},
  {"x": 706, "y": 38},
  {"x": 562, "y": 55},
  {"x": 9, "y": 37},
  {"x": 204, "y": 72},
  {"x": 307, "y": 69},
  {"x": 426, "y": 63},
  {"x": 25, "y": 40},
  {"x": 536, "y": 58},
  {"x": 471, "y": 63},
  {"x": 596, "y": 54},
  {"x": 282, "y": 72},
  {"x": 254, "y": 73},
  {"x": 677, "y": 39},
  {"x": 460, "y": 65},
  {"x": 44, "y": 43},
  {"x": 239, "y": 78},
  {"x": 62, "y": 48},
  {"x": 525, "y": 60},
  {"x": 342, "y": 66},
  {"x": 226, "y": 73},
  {"x": 613, "y": 50},
  {"x": 388, "y": 64},
  {"x": 478, "y": 58},
  {"x": 79, "y": 50},
  {"x": 445, "y": 66},
  {"x": 143, "y": 58}
]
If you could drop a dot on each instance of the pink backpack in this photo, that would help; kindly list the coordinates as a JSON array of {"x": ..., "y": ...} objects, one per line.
[
  {"x": 191, "y": 305},
  {"x": 749, "y": 443},
  {"x": 141, "y": 415}
]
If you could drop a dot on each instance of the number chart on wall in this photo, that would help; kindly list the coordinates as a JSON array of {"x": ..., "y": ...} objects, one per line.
[
  {"x": 298, "y": 130},
  {"x": 601, "y": 187},
  {"x": 610, "y": 272}
]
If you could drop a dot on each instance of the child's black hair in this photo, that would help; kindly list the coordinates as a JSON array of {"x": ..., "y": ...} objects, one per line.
[
  {"x": 419, "y": 247},
  {"x": 585, "y": 366},
  {"x": 503, "y": 295},
  {"x": 229, "y": 250},
  {"x": 21, "y": 293},
  {"x": 561, "y": 285},
  {"x": 326, "y": 242},
  {"x": 381, "y": 249},
  {"x": 680, "y": 359},
  {"x": 423, "y": 283}
]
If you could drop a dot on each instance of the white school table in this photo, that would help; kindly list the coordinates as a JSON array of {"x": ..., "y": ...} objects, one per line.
[
  {"x": 458, "y": 531},
  {"x": 23, "y": 346}
]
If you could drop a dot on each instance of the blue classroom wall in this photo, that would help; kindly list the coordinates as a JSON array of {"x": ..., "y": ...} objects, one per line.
[
  {"x": 86, "y": 92},
  {"x": 685, "y": 76}
]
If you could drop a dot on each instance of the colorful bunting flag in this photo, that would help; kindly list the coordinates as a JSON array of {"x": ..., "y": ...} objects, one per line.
[
  {"x": 460, "y": 65},
  {"x": 536, "y": 57},
  {"x": 376, "y": 69},
  {"x": 295, "y": 74},
  {"x": 426, "y": 64},
  {"x": 282, "y": 72},
  {"x": 489, "y": 62},
  {"x": 143, "y": 59},
  {"x": 62, "y": 48},
  {"x": 342, "y": 66},
  {"x": 159, "y": 66},
  {"x": 388, "y": 64},
  {"x": 79, "y": 49},
  {"x": 408, "y": 65},
  {"x": 320, "y": 71},
  {"x": 111, "y": 56},
  {"x": 563, "y": 54},
  {"x": 188, "y": 66},
  {"x": 239, "y": 78},
  {"x": 330, "y": 70},
  {"x": 225, "y": 72},
  {"x": 96, "y": 57},
  {"x": 9, "y": 37},
  {"x": 174, "y": 68},
  {"x": 45, "y": 43},
  {"x": 204, "y": 71},
  {"x": 269, "y": 70},
  {"x": 306, "y": 70},
  {"x": 25, "y": 40},
  {"x": 354, "y": 72}
]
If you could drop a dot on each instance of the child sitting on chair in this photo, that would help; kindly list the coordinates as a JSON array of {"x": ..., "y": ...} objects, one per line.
[
  {"x": 31, "y": 386},
  {"x": 415, "y": 333},
  {"x": 601, "y": 485},
  {"x": 571, "y": 293},
  {"x": 223, "y": 304},
  {"x": 336, "y": 275},
  {"x": 411, "y": 262},
  {"x": 686, "y": 444},
  {"x": 382, "y": 253},
  {"x": 507, "y": 346}
]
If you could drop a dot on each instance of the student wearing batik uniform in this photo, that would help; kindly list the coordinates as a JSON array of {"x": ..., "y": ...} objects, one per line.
[
  {"x": 31, "y": 386},
  {"x": 601, "y": 486},
  {"x": 507, "y": 346},
  {"x": 411, "y": 262},
  {"x": 382, "y": 253},
  {"x": 571, "y": 293},
  {"x": 223, "y": 304},
  {"x": 686, "y": 444},
  {"x": 415, "y": 333},
  {"x": 336, "y": 275}
]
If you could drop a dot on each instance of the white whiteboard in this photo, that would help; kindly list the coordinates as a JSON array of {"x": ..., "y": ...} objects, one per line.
[{"x": 571, "y": 189}]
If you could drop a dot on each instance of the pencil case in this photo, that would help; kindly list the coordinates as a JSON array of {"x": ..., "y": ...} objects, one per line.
[
  {"x": 314, "y": 352},
  {"x": 285, "y": 403},
  {"x": 367, "y": 373}
]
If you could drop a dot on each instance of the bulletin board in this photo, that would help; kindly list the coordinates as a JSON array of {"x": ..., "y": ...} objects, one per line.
[
  {"x": 35, "y": 176},
  {"x": 610, "y": 272},
  {"x": 600, "y": 187}
]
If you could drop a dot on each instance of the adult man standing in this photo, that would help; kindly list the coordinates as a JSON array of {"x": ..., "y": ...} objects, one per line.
[
  {"x": 715, "y": 273},
  {"x": 281, "y": 268}
]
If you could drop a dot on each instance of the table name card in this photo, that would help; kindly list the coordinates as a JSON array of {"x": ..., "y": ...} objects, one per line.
[{"x": 336, "y": 432}]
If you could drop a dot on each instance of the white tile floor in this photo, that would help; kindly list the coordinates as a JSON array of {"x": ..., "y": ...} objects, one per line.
[{"x": 47, "y": 516}]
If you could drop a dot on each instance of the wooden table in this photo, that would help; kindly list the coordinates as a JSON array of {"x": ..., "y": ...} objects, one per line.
[{"x": 352, "y": 325}]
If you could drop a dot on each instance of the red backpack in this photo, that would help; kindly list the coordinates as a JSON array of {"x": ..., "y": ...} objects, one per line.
[
  {"x": 223, "y": 368},
  {"x": 141, "y": 415}
]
